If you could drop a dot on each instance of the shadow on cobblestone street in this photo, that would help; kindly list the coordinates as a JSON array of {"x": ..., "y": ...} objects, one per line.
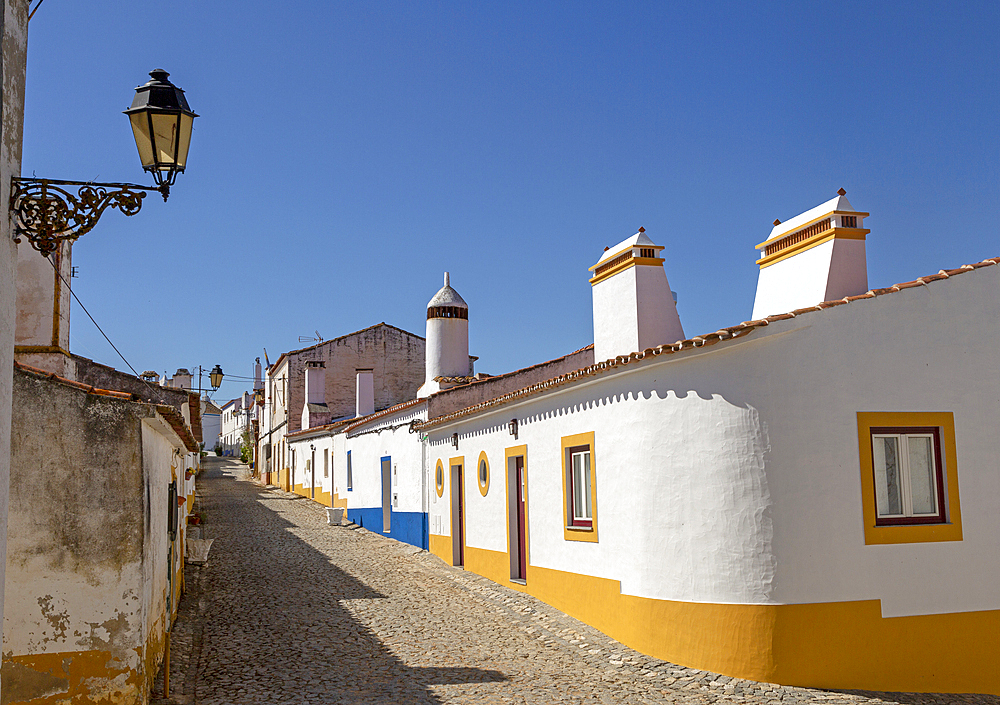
[
  {"x": 266, "y": 621},
  {"x": 291, "y": 610}
]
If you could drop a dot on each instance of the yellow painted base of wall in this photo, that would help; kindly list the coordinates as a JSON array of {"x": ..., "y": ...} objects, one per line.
[
  {"x": 338, "y": 502},
  {"x": 69, "y": 678},
  {"x": 845, "y": 645},
  {"x": 441, "y": 547},
  {"x": 283, "y": 479},
  {"x": 323, "y": 498}
]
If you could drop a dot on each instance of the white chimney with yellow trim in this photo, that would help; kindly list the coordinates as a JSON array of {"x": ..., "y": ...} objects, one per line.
[
  {"x": 633, "y": 306},
  {"x": 814, "y": 257}
]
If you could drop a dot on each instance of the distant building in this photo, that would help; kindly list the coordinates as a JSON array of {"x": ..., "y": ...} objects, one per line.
[{"x": 237, "y": 415}]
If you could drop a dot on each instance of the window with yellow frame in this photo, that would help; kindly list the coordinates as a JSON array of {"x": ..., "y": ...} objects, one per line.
[
  {"x": 579, "y": 487},
  {"x": 483, "y": 473},
  {"x": 439, "y": 478},
  {"x": 909, "y": 477}
]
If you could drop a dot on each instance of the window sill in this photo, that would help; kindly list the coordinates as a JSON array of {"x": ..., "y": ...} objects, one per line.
[
  {"x": 519, "y": 581},
  {"x": 580, "y": 533}
]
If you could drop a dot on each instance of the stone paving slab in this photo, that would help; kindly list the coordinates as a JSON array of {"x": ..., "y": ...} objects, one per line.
[{"x": 290, "y": 610}]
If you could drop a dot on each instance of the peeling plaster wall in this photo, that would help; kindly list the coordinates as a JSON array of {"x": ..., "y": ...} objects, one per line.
[
  {"x": 14, "y": 33},
  {"x": 87, "y": 570}
]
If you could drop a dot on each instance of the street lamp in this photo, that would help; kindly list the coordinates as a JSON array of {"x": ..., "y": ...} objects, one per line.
[
  {"x": 47, "y": 214},
  {"x": 216, "y": 377},
  {"x": 161, "y": 123}
]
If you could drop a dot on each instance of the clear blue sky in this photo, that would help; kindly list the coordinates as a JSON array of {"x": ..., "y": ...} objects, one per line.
[{"x": 350, "y": 152}]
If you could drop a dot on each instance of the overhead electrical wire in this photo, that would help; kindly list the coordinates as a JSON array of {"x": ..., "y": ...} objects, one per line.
[{"x": 77, "y": 298}]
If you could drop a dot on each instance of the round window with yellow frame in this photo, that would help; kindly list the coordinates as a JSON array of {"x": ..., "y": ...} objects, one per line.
[
  {"x": 483, "y": 474},
  {"x": 439, "y": 478}
]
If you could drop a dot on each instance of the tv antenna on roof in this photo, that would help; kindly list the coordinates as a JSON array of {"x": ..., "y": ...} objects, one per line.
[{"x": 307, "y": 339}]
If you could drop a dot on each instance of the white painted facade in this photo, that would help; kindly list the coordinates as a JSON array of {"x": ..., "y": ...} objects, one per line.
[
  {"x": 14, "y": 30},
  {"x": 763, "y": 503},
  {"x": 235, "y": 419},
  {"x": 211, "y": 424},
  {"x": 729, "y": 481}
]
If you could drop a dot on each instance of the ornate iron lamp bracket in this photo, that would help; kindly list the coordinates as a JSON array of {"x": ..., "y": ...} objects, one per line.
[{"x": 47, "y": 214}]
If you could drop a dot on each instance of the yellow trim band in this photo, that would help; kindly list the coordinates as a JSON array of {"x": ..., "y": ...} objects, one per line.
[
  {"x": 762, "y": 245},
  {"x": 914, "y": 533},
  {"x": 579, "y": 533},
  {"x": 814, "y": 241},
  {"x": 841, "y": 645},
  {"x": 520, "y": 451},
  {"x": 483, "y": 487},
  {"x": 29, "y": 349},
  {"x": 628, "y": 264}
]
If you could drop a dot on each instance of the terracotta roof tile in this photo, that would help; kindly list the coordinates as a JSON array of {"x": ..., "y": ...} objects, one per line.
[
  {"x": 44, "y": 374},
  {"x": 194, "y": 407},
  {"x": 176, "y": 421},
  {"x": 737, "y": 331}
]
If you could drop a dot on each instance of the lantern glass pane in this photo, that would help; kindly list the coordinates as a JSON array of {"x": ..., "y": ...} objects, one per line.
[
  {"x": 140, "y": 130},
  {"x": 165, "y": 140},
  {"x": 186, "y": 125}
]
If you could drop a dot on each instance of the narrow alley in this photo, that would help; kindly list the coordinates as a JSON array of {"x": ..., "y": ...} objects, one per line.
[{"x": 291, "y": 610}]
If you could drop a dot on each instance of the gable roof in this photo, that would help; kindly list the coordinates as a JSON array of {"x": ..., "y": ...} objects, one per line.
[{"x": 334, "y": 340}]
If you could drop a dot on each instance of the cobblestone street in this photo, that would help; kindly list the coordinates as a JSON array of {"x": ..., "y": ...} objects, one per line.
[{"x": 290, "y": 610}]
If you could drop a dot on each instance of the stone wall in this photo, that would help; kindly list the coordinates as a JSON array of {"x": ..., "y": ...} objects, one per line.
[{"x": 87, "y": 565}]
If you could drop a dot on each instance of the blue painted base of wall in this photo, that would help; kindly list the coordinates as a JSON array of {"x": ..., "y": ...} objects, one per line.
[{"x": 408, "y": 527}]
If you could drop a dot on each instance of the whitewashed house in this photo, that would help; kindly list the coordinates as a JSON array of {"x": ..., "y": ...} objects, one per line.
[
  {"x": 811, "y": 497},
  {"x": 236, "y": 415}
]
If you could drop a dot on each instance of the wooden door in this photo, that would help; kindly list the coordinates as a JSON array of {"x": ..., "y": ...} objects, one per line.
[
  {"x": 457, "y": 516},
  {"x": 386, "y": 494},
  {"x": 522, "y": 539}
]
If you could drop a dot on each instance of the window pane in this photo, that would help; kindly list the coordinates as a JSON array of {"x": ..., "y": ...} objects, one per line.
[
  {"x": 888, "y": 494},
  {"x": 581, "y": 486},
  {"x": 164, "y": 138},
  {"x": 922, "y": 485}
]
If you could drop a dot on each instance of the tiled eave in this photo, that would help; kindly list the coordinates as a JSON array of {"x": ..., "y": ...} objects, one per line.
[
  {"x": 346, "y": 425},
  {"x": 176, "y": 421},
  {"x": 724, "y": 334},
  {"x": 194, "y": 406},
  {"x": 365, "y": 420},
  {"x": 43, "y": 374},
  {"x": 319, "y": 430}
]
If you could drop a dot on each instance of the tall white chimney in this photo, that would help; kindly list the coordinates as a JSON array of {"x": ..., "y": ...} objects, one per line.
[
  {"x": 314, "y": 409},
  {"x": 446, "y": 353},
  {"x": 816, "y": 256},
  {"x": 633, "y": 306},
  {"x": 365, "y": 392},
  {"x": 315, "y": 382}
]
